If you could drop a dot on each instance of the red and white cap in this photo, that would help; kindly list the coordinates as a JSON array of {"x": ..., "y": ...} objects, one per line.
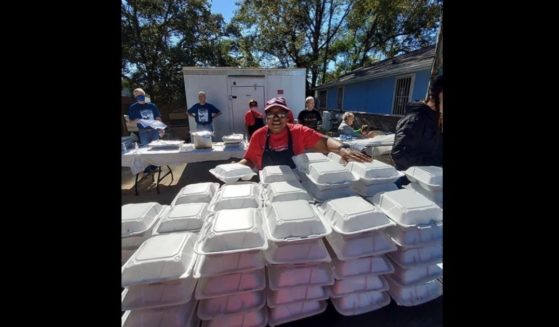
[{"x": 276, "y": 102}]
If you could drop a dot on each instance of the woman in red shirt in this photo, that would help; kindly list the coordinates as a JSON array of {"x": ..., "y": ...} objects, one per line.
[
  {"x": 279, "y": 141},
  {"x": 253, "y": 119}
]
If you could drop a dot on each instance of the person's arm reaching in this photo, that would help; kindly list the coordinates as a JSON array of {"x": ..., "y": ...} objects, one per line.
[
  {"x": 328, "y": 144},
  {"x": 246, "y": 163}
]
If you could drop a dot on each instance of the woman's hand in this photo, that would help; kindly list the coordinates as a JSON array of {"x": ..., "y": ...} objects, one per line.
[{"x": 354, "y": 155}]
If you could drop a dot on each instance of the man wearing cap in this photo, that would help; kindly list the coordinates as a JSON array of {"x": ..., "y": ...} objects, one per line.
[
  {"x": 253, "y": 119},
  {"x": 203, "y": 113},
  {"x": 310, "y": 117},
  {"x": 278, "y": 141}
]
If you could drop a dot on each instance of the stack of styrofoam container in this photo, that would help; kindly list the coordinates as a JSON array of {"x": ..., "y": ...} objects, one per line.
[
  {"x": 427, "y": 181},
  {"x": 323, "y": 178},
  {"x": 138, "y": 221},
  {"x": 230, "y": 268},
  {"x": 189, "y": 209},
  {"x": 373, "y": 177},
  {"x": 159, "y": 284},
  {"x": 298, "y": 262},
  {"x": 418, "y": 234},
  {"x": 358, "y": 244}
]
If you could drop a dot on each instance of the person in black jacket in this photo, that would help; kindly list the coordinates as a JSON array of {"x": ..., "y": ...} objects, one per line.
[{"x": 418, "y": 139}]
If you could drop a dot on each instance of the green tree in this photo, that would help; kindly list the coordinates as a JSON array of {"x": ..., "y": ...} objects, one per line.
[
  {"x": 387, "y": 28},
  {"x": 159, "y": 37},
  {"x": 293, "y": 33}
]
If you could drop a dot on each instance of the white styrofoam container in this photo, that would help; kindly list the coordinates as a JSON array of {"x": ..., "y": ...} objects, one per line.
[
  {"x": 407, "y": 208},
  {"x": 359, "y": 303},
  {"x": 361, "y": 266},
  {"x": 156, "y": 295},
  {"x": 436, "y": 196},
  {"x": 425, "y": 255},
  {"x": 213, "y": 308},
  {"x": 236, "y": 196},
  {"x": 376, "y": 172},
  {"x": 248, "y": 281},
  {"x": 360, "y": 245},
  {"x": 294, "y": 311},
  {"x": 416, "y": 294},
  {"x": 351, "y": 215},
  {"x": 358, "y": 284},
  {"x": 232, "y": 138},
  {"x": 231, "y": 173},
  {"x": 223, "y": 264},
  {"x": 138, "y": 217},
  {"x": 255, "y": 318},
  {"x": 328, "y": 194},
  {"x": 327, "y": 173},
  {"x": 183, "y": 315},
  {"x": 196, "y": 193},
  {"x": 285, "y": 191},
  {"x": 231, "y": 231},
  {"x": 183, "y": 217},
  {"x": 274, "y": 174},
  {"x": 416, "y": 274},
  {"x": 297, "y": 252},
  {"x": 303, "y": 160},
  {"x": 334, "y": 157},
  {"x": 134, "y": 242},
  {"x": 282, "y": 276},
  {"x": 138, "y": 220},
  {"x": 416, "y": 235},
  {"x": 296, "y": 294},
  {"x": 165, "y": 143},
  {"x": 371, "y": 190},
  {"x": 429, "y": 177},
  {"x": 125, "y": 255},
  {"x": 161, "y": 258},
  {"x": 294, "y": 220}
]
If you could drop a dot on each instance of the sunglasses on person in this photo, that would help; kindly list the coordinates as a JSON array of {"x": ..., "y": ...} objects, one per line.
[{"x": 280, "y": 115}]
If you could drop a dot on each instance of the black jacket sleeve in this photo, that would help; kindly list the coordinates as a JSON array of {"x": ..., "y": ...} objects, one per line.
[{"x": 406, "y": 142}]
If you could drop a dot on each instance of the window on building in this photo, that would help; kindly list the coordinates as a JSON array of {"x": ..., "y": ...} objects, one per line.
[{"x": 402, "y": 94}]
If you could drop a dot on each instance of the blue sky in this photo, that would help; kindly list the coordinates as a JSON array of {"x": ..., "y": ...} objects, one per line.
[{"x": 223, "y": 7}]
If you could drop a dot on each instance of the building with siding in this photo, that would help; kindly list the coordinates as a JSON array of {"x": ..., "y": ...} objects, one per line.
[{"x": 384, "y": 87}]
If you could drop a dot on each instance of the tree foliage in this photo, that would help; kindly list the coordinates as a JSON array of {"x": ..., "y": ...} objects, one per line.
[
  {"x": 387, "y": 28},
  {"x": 293, "y": 33},
  {"x": 159, "y": 37},
  {"x": 327, "y": 37}
]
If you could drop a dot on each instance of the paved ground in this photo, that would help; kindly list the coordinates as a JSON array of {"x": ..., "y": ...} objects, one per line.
[{"x": 426, "y": 315}]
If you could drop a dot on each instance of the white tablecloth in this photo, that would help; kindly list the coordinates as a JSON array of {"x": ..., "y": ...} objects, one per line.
[{"x": 139, "y": 159}]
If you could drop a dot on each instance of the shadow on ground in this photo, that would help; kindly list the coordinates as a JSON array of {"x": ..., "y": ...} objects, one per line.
[{"x": 183, "y": 175}]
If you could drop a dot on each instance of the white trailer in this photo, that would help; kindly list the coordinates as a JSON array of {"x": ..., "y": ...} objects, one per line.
[{"x": 230, "y": 89}]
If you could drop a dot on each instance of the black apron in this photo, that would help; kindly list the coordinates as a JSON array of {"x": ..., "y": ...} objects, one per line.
[
  {"x": 274, "y": 158},
  {"x": 258, "y": 122}
]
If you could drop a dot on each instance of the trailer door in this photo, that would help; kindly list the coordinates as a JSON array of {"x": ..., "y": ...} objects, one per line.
[{"x": 240, "y": 96}]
